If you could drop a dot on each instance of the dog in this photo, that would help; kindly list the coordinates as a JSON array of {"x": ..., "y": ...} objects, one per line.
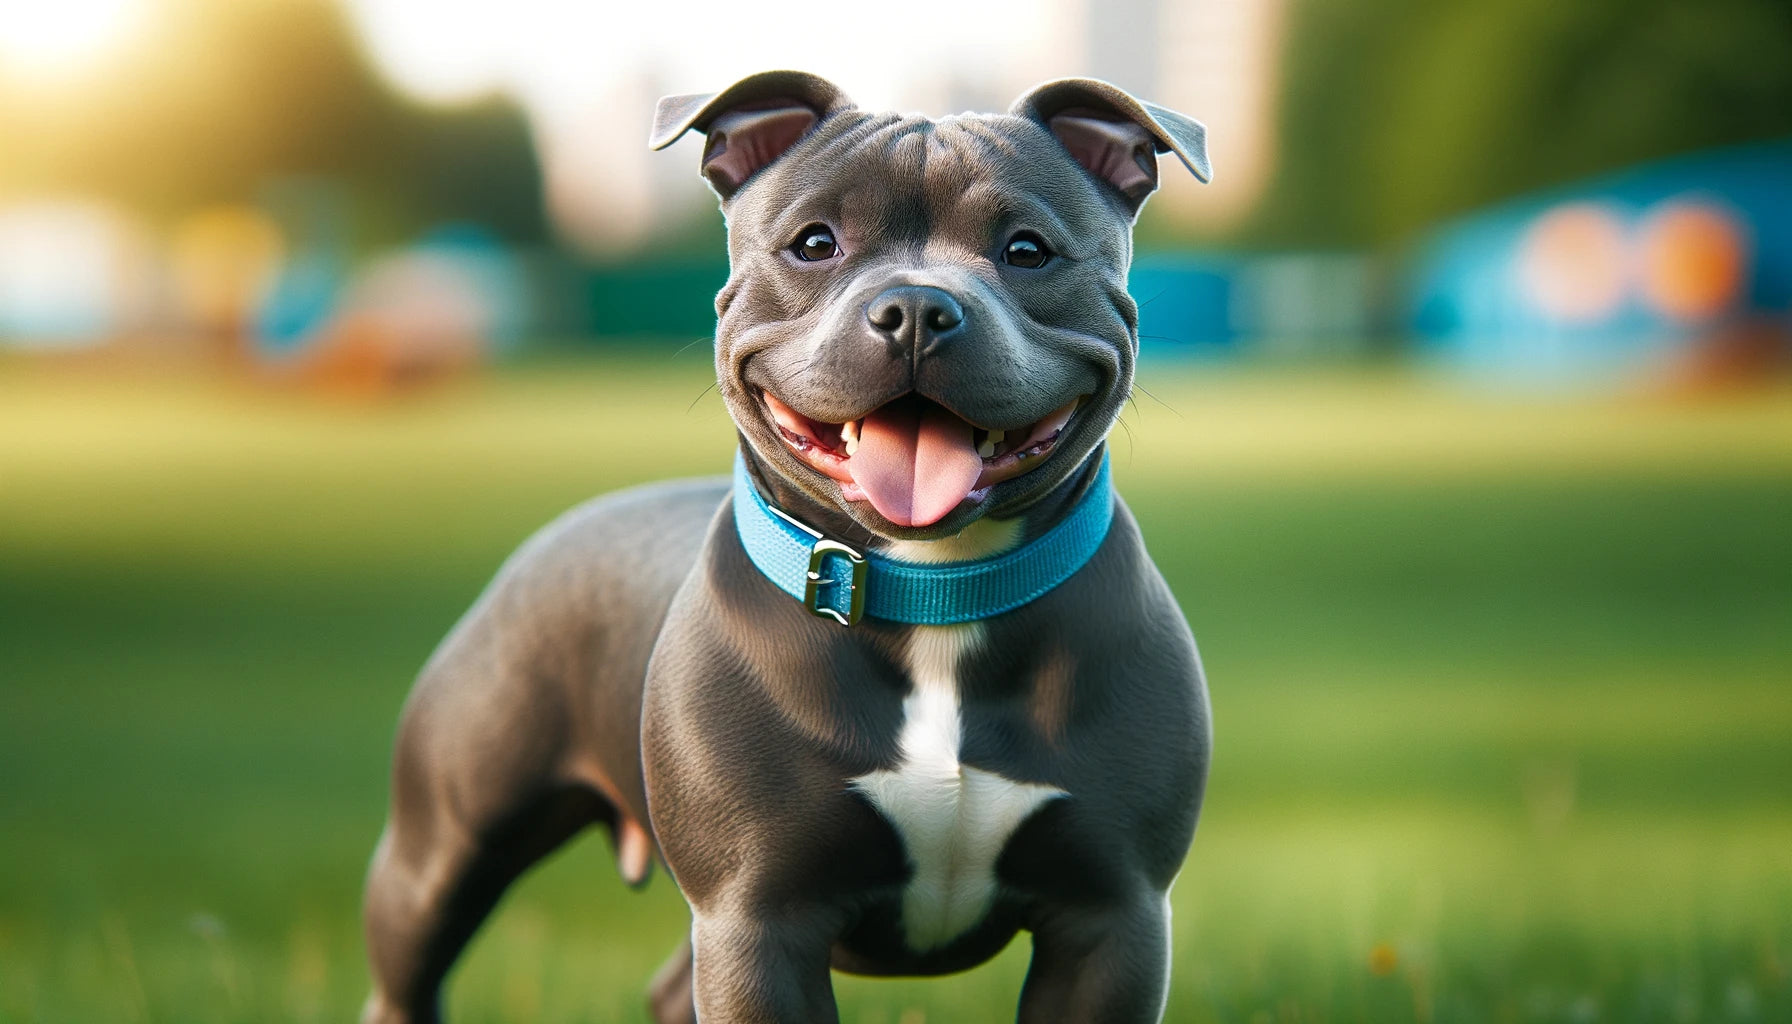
[{"x": 908, "y": 683}]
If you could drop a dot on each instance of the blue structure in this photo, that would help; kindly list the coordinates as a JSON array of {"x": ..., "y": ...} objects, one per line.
[
  {"x": 1613, "y": 276},
  {"x": 1293, "y": 304},
  {"x": 1185, "y": 303}
]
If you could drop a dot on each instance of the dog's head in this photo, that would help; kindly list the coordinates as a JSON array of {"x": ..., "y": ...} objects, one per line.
[{"x": 926, "y": 321}]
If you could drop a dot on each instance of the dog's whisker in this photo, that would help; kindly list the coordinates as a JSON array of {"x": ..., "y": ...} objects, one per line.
[
  {"x": 705, "y": 340},
  {"x": 1148, "y": 394},
  {"x": 1130, "y": 447},
  {"x": 699, "y": 398}
]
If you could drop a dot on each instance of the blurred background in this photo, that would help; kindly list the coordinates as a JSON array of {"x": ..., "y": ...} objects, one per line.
[{"x": 1464, "y": 436}]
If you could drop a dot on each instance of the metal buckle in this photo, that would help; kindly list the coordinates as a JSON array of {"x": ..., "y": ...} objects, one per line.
[
  {"x": 818, "y": 554},
  {"x": 855, "y": 607}
]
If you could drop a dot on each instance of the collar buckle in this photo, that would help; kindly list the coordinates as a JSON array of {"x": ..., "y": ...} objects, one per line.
[{"x": 815, "y": 580}]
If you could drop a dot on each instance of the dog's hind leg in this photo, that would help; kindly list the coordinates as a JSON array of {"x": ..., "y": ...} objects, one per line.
[
  {"x": 430, "y": 887},
  {"x": 523, "y": 729},
  {"x": 669, "y": 996},
  {"x": 480, "y": 791}
]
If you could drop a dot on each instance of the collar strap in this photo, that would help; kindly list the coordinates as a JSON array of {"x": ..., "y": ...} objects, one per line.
[{"x": 837, "y": 581}]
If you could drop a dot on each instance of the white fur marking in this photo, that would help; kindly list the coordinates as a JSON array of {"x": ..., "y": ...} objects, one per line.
[{"x": 954, "y": 820}]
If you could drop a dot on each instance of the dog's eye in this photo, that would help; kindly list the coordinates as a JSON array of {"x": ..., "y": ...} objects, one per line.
[
  {"x": 816, "y": 244},
  {"x": 1026, "y": 250}
]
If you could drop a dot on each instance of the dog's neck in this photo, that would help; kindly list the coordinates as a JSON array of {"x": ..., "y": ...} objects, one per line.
[{"x": 984, "y": 538}]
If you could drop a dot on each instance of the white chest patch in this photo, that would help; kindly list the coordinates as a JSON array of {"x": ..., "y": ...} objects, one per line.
[{"x": 954, "y": 820}]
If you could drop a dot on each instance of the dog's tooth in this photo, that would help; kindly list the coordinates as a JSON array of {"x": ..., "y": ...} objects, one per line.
[
  {"x": 988, "y": 448},
  {"x": 849, "y": 436}
]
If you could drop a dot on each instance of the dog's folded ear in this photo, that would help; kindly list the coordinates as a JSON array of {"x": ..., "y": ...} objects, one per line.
[
  {"x": 749, "y": 124},
  {"x": 1115, "y": 136}
]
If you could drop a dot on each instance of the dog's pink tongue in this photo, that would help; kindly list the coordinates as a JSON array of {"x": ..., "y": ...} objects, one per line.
[{"x": 915, "y": 461}]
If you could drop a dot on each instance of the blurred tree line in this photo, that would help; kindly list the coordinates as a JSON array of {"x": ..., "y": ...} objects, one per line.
[
  {"x": 226, "y": 97},
  {"x": 1396, "y": 113}
]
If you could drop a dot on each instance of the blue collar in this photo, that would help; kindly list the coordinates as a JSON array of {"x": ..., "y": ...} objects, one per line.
[{"x": 839, "y": 582}]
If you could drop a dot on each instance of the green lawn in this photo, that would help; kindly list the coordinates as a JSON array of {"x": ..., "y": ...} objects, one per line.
[{"x": 1502, "y": 689}]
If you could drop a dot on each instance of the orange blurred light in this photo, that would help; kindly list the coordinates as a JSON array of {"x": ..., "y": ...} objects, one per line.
[
  {"x": 52, "y": 39},
  {"x": 1693, "y": 260}
]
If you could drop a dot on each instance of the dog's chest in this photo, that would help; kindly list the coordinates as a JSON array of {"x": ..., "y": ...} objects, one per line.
[{"x": 954, "y": 819}]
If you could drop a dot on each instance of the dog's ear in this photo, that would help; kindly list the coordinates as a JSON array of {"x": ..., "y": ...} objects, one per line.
[
  {"x": 749, "y": 124},
  {"x": 1114, "y": 136}
]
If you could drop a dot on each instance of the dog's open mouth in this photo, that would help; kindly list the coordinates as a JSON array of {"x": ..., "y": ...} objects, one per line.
[{"x": 914, "y": 459}]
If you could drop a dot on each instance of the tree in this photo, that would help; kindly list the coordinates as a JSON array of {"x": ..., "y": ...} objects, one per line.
[{"x": 1397, "y": 113}]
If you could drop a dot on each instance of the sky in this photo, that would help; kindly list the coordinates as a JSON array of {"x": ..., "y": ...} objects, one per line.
[
  {"x": 553, "y": 54},
  {"x": 49, "y": 41},
  {"x": 589, "y": 74}
]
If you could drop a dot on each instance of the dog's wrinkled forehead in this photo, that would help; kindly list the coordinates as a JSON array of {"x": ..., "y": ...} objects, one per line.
[{"x": 914, "y": 180}]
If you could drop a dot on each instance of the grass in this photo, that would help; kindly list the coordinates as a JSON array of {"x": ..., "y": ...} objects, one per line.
[{"x": 1503, "y": 692}]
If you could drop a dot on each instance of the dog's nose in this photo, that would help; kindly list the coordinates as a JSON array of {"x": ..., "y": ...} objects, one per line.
[{"x": 915, "y": 316}]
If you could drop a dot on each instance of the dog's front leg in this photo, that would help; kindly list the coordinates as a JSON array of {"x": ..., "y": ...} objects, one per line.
[
  {"x": 752, "y": 969},
  {"x": 1108, "y": 965}
]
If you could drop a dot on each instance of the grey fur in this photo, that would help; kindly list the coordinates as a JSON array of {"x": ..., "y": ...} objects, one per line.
[{"x": 628, "y": 666}]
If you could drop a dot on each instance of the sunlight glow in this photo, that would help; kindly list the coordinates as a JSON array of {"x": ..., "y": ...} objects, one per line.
[{"x": 62, "y": 37}]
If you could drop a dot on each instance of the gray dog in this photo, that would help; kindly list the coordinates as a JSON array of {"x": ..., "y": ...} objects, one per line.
[{"x": 908, "y": 683}]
